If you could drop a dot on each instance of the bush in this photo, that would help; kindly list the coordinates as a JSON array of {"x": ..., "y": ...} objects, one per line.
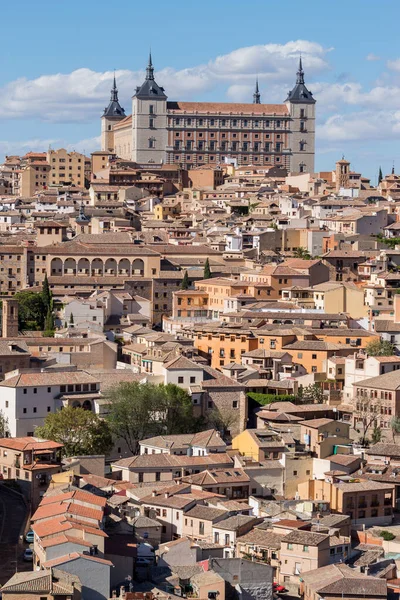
[
  {"x": 387, "y": 535},
  {"x": 263, "y": 399}
]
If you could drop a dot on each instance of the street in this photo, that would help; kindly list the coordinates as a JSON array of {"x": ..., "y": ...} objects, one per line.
[{"x": 13, "y": 513}]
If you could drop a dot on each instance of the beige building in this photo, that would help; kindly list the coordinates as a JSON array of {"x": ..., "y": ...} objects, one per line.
[
  {"x": 302, "y": 551},
  {"x": 193, "y": 134},
  {"x": 34, "y": 174},
  {"x": 66, "y": 167}
]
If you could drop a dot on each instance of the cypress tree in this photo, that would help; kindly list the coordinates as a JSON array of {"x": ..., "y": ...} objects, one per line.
[
  {"x": 207, "y": 270},
  {"x": 71, "y": 319},
  {"x": 380, "y": 176},
  {"x": 185, "y": 281},
  {"x": 46, "y": 293}
]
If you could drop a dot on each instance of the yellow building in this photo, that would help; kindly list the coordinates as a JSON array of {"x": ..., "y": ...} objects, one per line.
[
  {"x": 259, "y": 444},
  {"x": 66, "y": 167}
]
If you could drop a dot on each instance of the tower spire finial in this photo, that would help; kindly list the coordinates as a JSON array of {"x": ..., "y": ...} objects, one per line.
[
  {"x": 257, "y": 95},
  {"x": 114, "y": 90},
  {"x": 300, "y": 72},
  {"x": 393, "y": 168},
  {"x": 150, "y": 69}
]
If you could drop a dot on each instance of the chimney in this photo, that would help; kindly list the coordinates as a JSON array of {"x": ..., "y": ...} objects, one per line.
[
  {"x": 114, "y": 594},
  {"x": 154, "y": 493},
  {"x": 166, "y": 495},
  {"x": 122, "y": 591}
]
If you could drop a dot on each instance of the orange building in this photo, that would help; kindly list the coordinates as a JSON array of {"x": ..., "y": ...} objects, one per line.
[{"x": 223, "y": 345}]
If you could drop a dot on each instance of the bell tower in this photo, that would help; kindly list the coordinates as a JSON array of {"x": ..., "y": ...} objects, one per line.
[
  {"x": 112, "y": 114},
  {"x": 149, "y": 121},
  {"x": 301, "y": 106},
  {"x": 10, "y": 318}
]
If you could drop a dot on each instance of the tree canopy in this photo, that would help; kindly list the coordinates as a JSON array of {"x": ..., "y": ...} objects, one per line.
[
  {"x": 138, "y": 411},
  {"x": 35, "y": 309},
  {"x": 379, "y": 348},
  {"x": 81, "y": 431}
]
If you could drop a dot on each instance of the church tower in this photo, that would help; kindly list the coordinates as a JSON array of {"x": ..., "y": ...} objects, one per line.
[
  {"x": 10, "y": 318},
  {"x": 113, "y": 113},
  {"x": 149, "y": 121},
  {"x": 301, "y": 106},
  {"x": 257, "y": 95}
]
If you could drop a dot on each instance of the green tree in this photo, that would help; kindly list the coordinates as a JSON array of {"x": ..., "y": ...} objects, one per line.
[
  {"x": 32, "y": 310},
  {"x": 138, "y": 411},
  {"x": 47, "y": 294},
  {"x": 207, "y": 270},
  {"x": 185, "y": 281},
  {"x": 71, "y": 319},
  {"x": 395, "y": 427},
  {"x": 81, "y": 431},
  {"x": 312, "y": 393},
  {"x": 380, "y": 176},
  {"x": 302, "y": 253},
  {"x": 178, "y": 410},
  {"x": 379, "y": 348},
  {"x": 223, "y": 420},
  {"x": 49, "y": 324},
  {"x": 376, "y": 434}
]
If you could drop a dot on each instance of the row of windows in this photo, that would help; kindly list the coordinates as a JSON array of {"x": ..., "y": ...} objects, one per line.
[
  {"x": 224, "y": 146},
  {"x": 212, "y": 158},
  {"x": 245, "y": 136},
  {"x": 212, "y": 122}
]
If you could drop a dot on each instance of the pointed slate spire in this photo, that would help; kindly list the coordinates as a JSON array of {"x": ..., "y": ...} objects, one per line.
[
  {"x": 114, "y": 91},
  {"x": 300, "y": 72},
  {"x": 257, "y": 95},
  {"x": 300, "y": 94},
  {"x": 114, "y": 109},
  {"x": 150, "y": 69},
  {"x": 393, "y": 169}
]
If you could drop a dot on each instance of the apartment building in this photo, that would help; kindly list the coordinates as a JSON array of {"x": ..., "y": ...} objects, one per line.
[
  {"x": 66, "y": 167},
  {"x": 31, "y": 462},
  {"x": 365, "y": 502}
]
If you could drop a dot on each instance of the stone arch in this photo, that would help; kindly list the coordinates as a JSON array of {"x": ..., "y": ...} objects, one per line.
[
  {"x": 124, "y": 267},
  {"x": 56, "y": 267},
  {"x": 83, "y": 266},
  {"x": 76, "y": 404},
  {"x": 138, "y": 267},
  {"x": 87, "y": 405},
  {"x": 69, "y": 266},
  {"x": 288, "y": 322},
  {"x": 110, "y": 266},
  {"x": 97, "y": 266}
]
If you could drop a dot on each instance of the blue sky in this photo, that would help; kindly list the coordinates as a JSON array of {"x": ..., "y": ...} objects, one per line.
[{"x": 57, "y": 61}]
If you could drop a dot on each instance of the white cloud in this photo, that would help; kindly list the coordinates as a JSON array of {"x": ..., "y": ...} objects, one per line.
[
  {"x": 393, "y": 65},
  {"x": 363, "y": 125},
  {"x": 371, "y": 57},
  {"x": 82, "y": 94}
]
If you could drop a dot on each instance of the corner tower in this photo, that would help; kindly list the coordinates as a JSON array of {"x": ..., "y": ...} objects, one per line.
[
  {"x": 112, "y": 114},
  {"x": 149, "y": 121},
  {"x": 301, "y": 106}
]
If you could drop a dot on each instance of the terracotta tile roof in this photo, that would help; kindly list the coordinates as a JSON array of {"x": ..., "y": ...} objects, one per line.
[
  {"x": 80, "y": 495},
  {"x": 74, "y": 556},
  {"x": 307, "y": 538},
  {"x": 66, "y": 508},
  {"x": 63, "y": 539},
  {"x": 215, "y": 476},
  {"x": 227, "y": 108},
  {"x": 48, "y": 378},
  {"x": 202, "y": 439},
  {"x": 340, "y": 581},
  {"x": 384, "y": 449},
  {"x": 172, "y": 461},
  {"x": 29, "y": 443},
  {"x": 262, "y": 538}
]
